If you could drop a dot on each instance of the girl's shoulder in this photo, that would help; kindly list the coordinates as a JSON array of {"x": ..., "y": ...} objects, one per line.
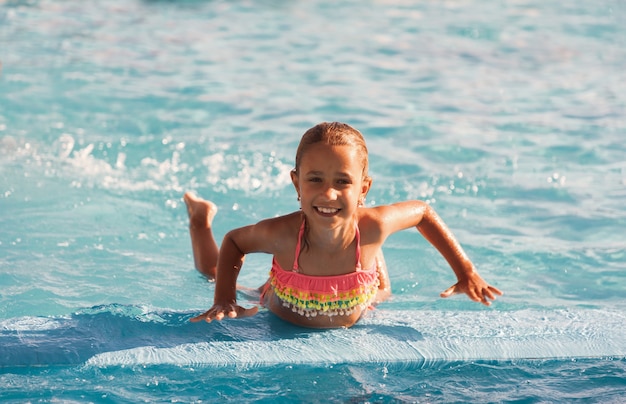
[
  {"x": 384, "y": 220},
  {"x": 373, "y": 215},
  {"x": 280, "y": 227},
  {"x": 271, "y": 235},
  {"x": 371, "y": 223},
  {"x": 283, "y": 222},
  {"x": 391, "y": 211}
]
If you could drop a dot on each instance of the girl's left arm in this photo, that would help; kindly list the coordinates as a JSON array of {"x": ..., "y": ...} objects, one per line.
[{"x": 422, "y": 216}]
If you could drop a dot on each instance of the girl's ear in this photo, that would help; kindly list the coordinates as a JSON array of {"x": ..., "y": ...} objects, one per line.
[
  {"x": 365, "y": 186},
  {"x": 295, "y": 182}
]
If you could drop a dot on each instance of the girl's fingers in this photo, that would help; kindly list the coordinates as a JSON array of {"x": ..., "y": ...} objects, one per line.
[
  {"x": 482, "y": 295},
  {"x": 201, "y": 317},
  {"x": 449, "y": 292},
  {"x": 491, "y": 292},
  {"x": 487, "y": 293},
  {"x": 241, "y": 312},
  {"x": 219, "y": 314}
]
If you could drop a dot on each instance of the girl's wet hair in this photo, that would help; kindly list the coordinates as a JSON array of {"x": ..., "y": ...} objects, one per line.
[{"x": 333, "y": 134}]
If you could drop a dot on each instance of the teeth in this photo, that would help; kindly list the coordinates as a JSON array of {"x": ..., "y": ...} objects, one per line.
[{"x": 327, "y": 210}]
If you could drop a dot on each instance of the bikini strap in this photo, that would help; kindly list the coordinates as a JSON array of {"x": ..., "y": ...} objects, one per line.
[
  {"x": 358, "y": 246},
  {"x": 299, "y": 246}
]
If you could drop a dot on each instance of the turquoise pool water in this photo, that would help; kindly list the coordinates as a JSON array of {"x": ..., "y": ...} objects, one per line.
[{"x": 508, "y": 117}]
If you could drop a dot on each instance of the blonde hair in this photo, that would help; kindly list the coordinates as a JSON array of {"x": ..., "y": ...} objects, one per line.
[{"x": 333, "y": 134}]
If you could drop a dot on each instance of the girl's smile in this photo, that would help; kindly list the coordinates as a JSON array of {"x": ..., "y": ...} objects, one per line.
[{"x": 327, "y": 211}]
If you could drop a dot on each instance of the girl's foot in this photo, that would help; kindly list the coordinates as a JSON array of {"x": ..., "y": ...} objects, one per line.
[{"x": 201, "y": 212}]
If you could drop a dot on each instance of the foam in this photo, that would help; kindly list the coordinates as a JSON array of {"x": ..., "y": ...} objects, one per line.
[{"x": 406, "y": 336}]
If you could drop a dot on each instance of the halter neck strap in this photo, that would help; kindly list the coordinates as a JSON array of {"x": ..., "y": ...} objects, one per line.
[{"x": 299, "y": 246}]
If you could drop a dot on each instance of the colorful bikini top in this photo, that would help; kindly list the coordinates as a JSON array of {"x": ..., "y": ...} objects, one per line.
[{"x": 311, "y": 295}]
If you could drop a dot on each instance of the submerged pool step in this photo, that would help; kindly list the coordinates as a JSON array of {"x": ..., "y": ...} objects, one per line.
[{"x": 118, "y": 335}]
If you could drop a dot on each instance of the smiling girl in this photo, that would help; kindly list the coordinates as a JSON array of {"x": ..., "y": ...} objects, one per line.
[{"x": 328, "y": 265}]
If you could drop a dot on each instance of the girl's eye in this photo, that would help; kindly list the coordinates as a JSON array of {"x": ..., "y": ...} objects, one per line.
[{"x": 315, "y": 179}]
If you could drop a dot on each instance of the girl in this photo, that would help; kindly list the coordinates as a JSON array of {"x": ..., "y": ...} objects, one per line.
[{"x": 328, "y": 266}]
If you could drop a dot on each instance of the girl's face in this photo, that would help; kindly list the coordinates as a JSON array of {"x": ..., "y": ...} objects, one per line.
[{"x": 330, "y": 182}]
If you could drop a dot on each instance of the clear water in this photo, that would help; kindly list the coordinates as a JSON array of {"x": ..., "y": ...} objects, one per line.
[{"x": 508, "y": 117}]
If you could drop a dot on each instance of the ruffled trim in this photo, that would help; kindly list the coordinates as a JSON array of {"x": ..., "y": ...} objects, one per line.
[{"x": 325, "y": 295}]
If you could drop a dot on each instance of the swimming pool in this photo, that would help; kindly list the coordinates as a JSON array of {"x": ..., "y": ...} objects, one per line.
[{"x": 509, "y": 118}]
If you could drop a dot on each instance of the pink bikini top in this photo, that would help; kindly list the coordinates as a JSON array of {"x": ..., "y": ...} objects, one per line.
[{"x": 324, "y": 295}]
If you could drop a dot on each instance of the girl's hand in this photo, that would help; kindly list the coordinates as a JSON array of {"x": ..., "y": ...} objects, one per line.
[
  {"x": 475, "y": 287},
  {"x": 218, "y": 312}
]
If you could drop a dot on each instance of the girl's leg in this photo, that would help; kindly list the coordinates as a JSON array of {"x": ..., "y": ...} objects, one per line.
[{"x": 205, "y": 249}]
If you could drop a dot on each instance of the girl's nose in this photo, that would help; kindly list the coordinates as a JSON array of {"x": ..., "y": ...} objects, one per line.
[{"x": 330, "y": 193}]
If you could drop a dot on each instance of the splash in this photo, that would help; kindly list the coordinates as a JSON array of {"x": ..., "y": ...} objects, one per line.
[{"x": 87, "y": 166}]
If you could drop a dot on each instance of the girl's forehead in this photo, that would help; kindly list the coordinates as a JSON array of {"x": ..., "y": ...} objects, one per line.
[
  {"x": 328, "y": 151},
  {"x": 322, "y": 155}
]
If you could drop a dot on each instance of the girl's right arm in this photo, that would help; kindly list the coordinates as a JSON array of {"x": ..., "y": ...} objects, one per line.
[
  {"x": 261, "y": 237},
  {"x": 229, "y": 264}
]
